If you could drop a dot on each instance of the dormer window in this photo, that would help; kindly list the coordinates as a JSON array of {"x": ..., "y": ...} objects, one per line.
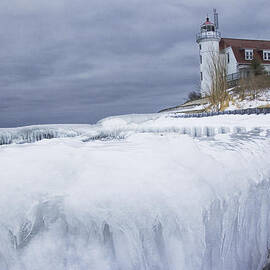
[
  {"x": 248, "y": 54},
  {"x": 266, "y": 55}
]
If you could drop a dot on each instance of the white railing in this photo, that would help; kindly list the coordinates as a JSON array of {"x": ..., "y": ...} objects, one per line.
[
  {"x": 204, "y": 35},
  {"x": 233, "y": 76}
]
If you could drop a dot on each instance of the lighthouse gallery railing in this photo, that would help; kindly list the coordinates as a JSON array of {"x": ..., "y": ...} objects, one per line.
[{"x": 206, "y": 34}]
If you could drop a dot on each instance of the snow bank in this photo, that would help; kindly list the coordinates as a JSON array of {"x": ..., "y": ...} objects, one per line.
[
  {"x": 262, "y": 100},
  {"x": 153, "y": 200}
]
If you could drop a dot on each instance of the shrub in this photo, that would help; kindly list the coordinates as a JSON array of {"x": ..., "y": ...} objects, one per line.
[
  {"x": 256, "y": 67},
  {"x": 253, "y": 85},
  {"x": 194, "y": 95}
]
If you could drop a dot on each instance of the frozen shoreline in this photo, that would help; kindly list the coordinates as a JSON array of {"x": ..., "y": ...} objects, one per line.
[
  {"x": 123, "y": 126},
  {"x": 153, "y": 199}
]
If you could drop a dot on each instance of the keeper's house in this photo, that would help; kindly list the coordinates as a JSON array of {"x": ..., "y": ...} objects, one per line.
[{"x": 238, "y": 53}]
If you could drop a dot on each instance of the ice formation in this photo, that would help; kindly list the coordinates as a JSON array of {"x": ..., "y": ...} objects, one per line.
[
  {"x": 163, "y": 194},
  {"x": 31, "y": 134}
]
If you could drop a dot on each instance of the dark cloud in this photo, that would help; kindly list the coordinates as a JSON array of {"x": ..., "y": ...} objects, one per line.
[{"x": 68, "y": 61}]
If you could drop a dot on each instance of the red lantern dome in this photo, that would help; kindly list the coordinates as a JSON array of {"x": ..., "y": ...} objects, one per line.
[{"x": 208, "y": 26}]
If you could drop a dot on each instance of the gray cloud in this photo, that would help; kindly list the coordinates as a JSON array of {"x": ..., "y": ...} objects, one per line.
[{"x": 67, "y": 61}]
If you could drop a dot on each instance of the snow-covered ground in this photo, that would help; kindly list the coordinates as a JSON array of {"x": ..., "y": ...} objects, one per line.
[
  {"x": 137, "y": 192},
  {"x": 262, "y": 100}
]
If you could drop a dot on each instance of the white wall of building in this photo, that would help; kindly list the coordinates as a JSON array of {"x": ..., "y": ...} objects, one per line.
[
  {"x": 267, "y": 67},
  {"x": 209, "y": 47},
  {"x": 232, "y": 66}
]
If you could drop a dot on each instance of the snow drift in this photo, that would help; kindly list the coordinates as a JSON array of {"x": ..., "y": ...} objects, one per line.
[{"x": 150, "y": 198}]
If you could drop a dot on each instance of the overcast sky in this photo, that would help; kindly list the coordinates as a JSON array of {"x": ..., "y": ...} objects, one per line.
[{"x": 77, "y": 61}]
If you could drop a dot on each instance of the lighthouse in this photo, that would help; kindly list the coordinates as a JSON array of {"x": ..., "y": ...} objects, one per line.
[{"x": 208, "y": 40}]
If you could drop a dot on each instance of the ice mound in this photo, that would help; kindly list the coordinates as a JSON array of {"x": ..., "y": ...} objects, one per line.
[
  {"x": 147, "y": 202},
  {"x": 123, "y": 126}
]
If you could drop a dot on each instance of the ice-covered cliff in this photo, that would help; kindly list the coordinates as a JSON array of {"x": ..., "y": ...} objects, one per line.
[{"x": 138, "y": 192}]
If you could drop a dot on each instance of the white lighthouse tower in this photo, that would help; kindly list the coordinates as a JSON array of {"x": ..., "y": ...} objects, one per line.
[{"x": 208, "y": 40}]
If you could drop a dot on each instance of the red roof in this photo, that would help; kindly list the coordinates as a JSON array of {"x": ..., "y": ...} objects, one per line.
[
  {"x": 207, "y": 22},
  {"x": 239, "y": 46}
]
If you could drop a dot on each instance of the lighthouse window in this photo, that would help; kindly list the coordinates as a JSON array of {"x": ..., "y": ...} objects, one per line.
[
  {"x": 200, "y": 46},
  {"x": 201, "y": 76},
  {"x": 200, "y": 59},
  {"x": 248, "y": 54},
  {"x": 210, "y": 28}
]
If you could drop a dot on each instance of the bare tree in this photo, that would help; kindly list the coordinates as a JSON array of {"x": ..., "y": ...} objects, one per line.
[{"x": 217, "y": 69}]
